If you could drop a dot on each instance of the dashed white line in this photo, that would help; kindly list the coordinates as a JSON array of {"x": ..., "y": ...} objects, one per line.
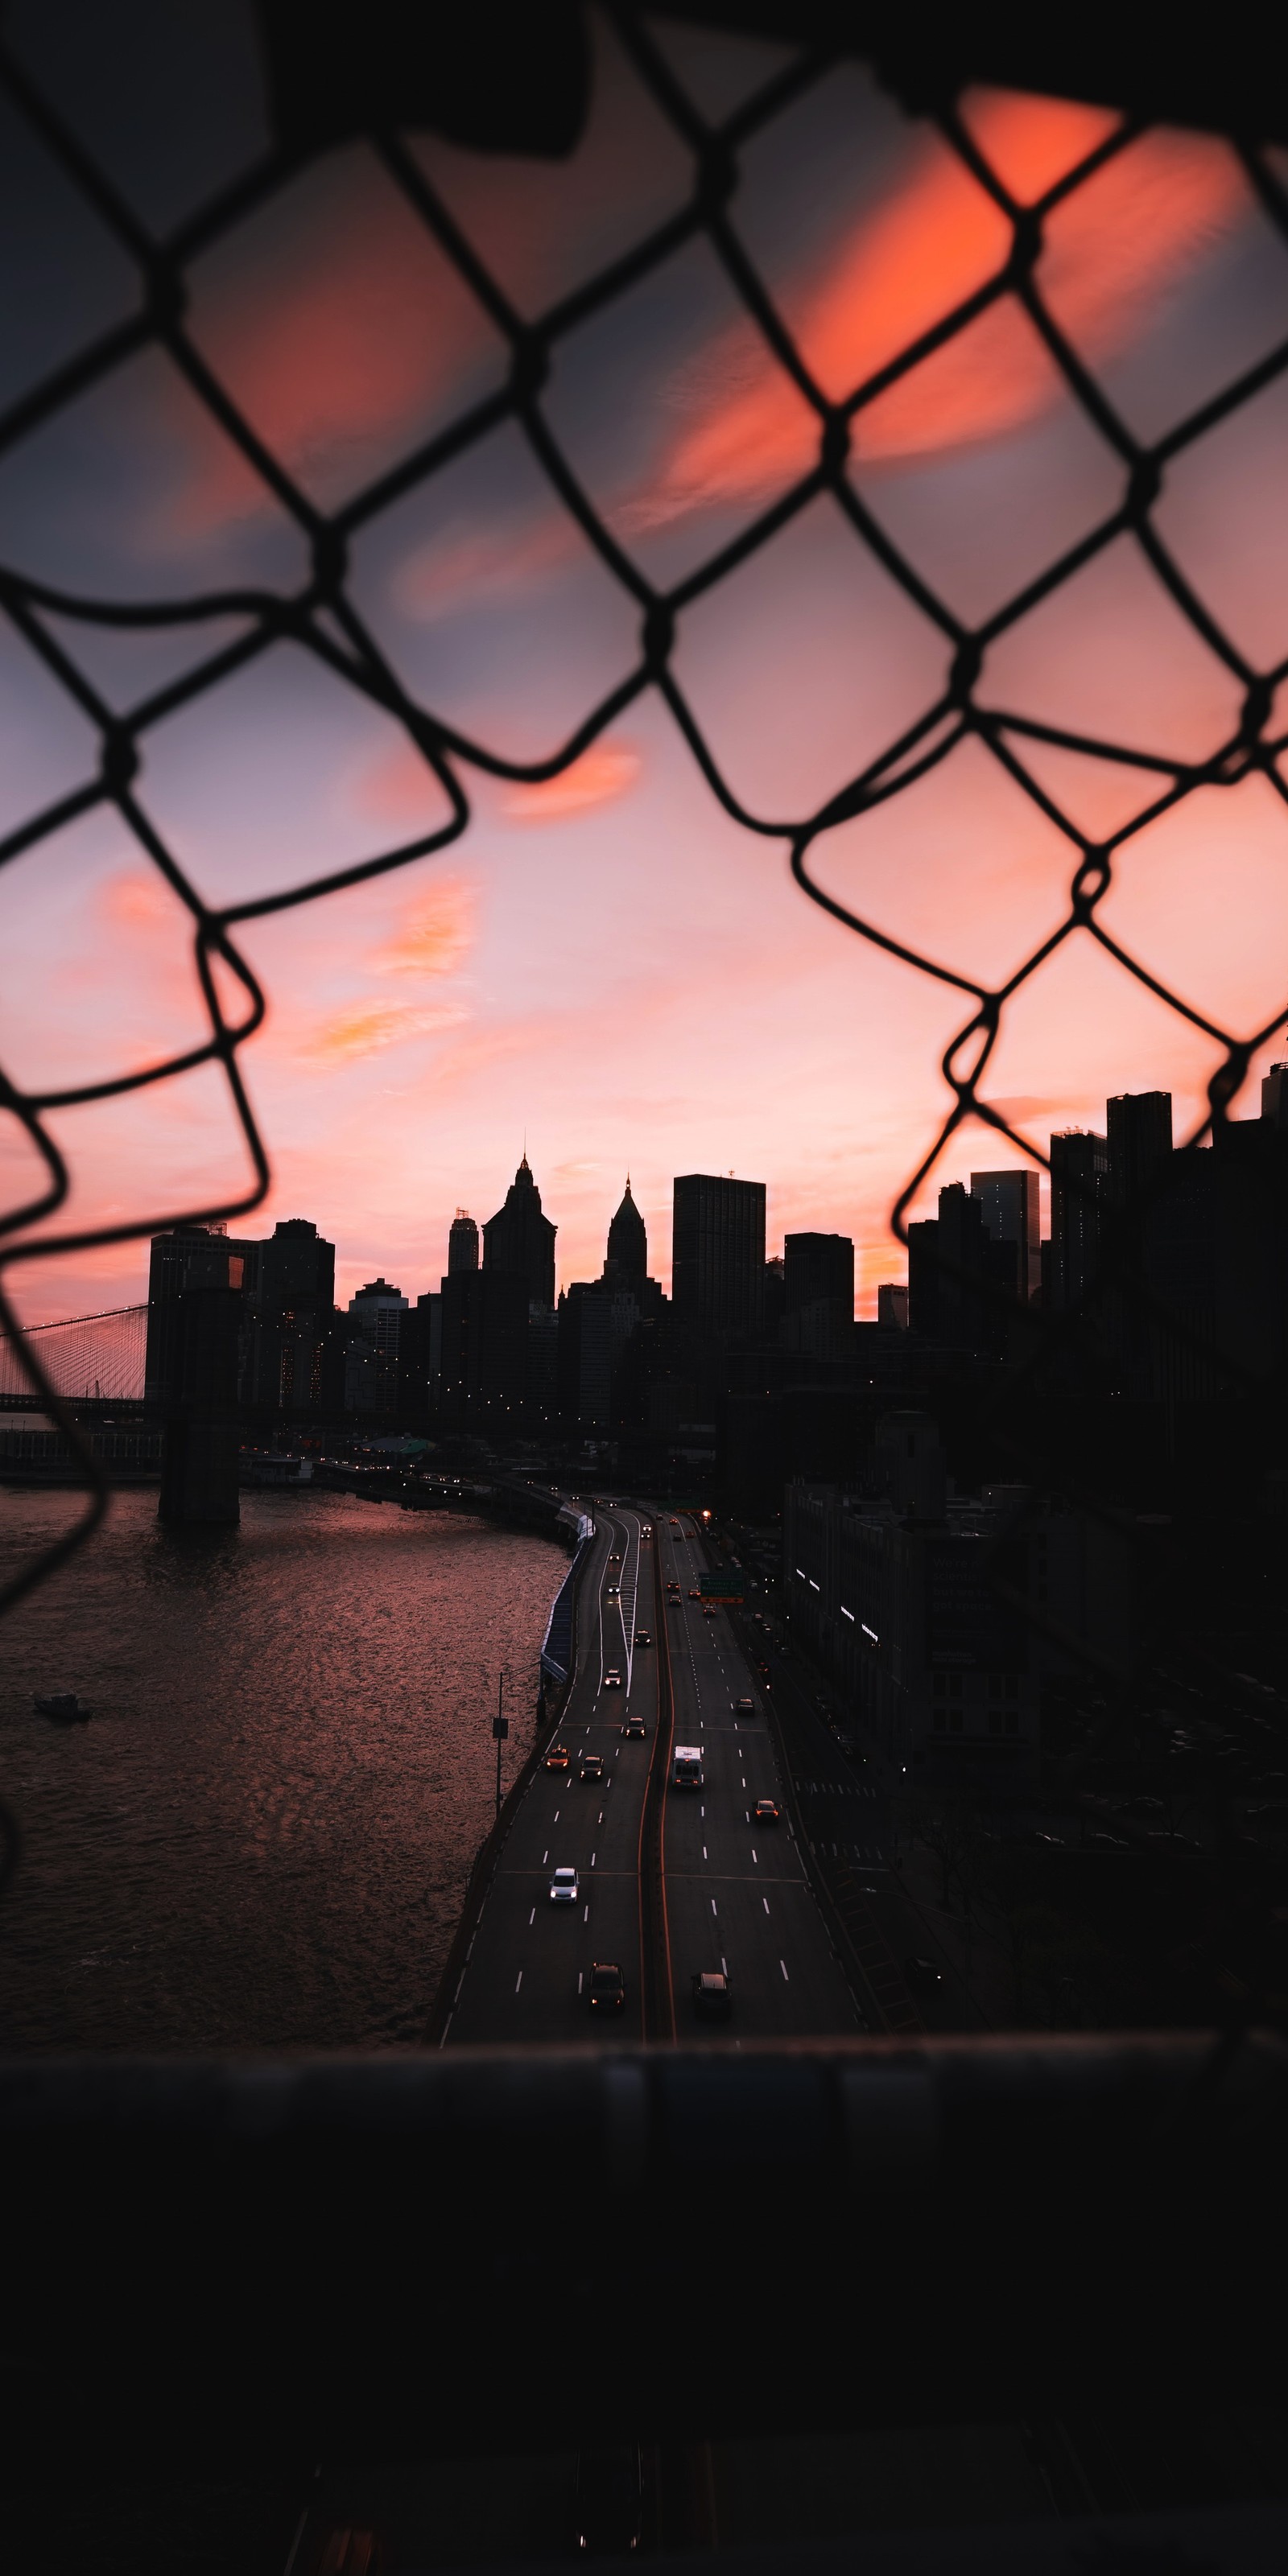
[
  {"x": 754, "y": 1858},
  {"x": 713, "y": 1905},
  {"x": 586, "y": 1916},
  {"x": 518, "y": 1981},
  {"x": 544, "y": 1858},
  {"x": 592, "y": 1860},
  {"x": 783, "y": 1965},
  {"x": 765, "y": 1902},
  {"x": 580, "y": 1973},
  {"x": 533, "y": 1916}
]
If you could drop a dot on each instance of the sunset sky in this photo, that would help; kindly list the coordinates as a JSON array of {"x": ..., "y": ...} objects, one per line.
[{"x": 607, "y": 967}]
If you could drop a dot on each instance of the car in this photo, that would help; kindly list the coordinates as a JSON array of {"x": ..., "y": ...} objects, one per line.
[
  {"x": 675, "y": 1524},
  {"x": 926, "y": 1970},
  {"x": 607, "y": 1988},
  {"x": 647, "y": 1530},
  {"x": 765, "y": 1812},
  {"x": 612, "y": 1678},
  {"x": 557, "y": 1758},
  {"x": 642, "y": 1637},
  {"x": 592, "y": 1766},
  {"x": 634, "y": 1726},
  {"x": 614, "y": 1592},
  {"x": 708, "y": 1610},
  {"x": 744, "y": 1708},
  {"x": 694, "y": 1594},
  {"x": 712, "y": 2000},
  {"x": 608, "y": 2513},
  {"x": 565, "y": 1887}
]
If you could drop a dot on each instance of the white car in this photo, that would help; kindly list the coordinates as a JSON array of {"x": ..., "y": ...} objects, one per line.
[
  {"x": 564, "y": 1887},
  {"x": 612, "y": 1678}
]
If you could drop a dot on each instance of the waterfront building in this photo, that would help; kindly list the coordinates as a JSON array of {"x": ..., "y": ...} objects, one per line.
[
  {"x": 376, "y": 1312},
  {"x": 195, "y": 1309}
]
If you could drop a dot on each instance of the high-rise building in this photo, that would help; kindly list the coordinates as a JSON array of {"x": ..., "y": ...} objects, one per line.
[
  {"x": 718, "y": 1256},
  {"x": 484, "y": 1380},
  {"x": 626, "y": 1264},
  {"x": 951, "y": 1269},
  {"x": 1140, "y": 1144},
  {"x": 520, "y": 1239},
  {"x": 892, "y": 1304},
  {"x": 377, "y": 1312},
  {"x": 1079, "y": 1187},
  {"x": 775, "y": 1294},
  {"x": 462, "y": 1243},
  {"x": 290, "y": 1347},
  {"x": 1011, "y": 1205},
  {"x": 818, "y": 1286},
  {"x": 1274, "y": 1096}
]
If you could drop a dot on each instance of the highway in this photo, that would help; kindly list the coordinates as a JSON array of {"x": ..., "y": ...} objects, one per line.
[
  {"x": 529, "y": 1963},
  {"x": 737, "y": 1896},
  {"x": 727, "y": 1895}
]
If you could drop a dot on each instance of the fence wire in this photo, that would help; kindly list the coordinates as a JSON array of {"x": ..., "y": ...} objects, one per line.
[{"x": 323, "y": 619}]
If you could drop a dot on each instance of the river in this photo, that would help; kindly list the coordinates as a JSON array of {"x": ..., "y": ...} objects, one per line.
[{"x": 262, "y": 1838}]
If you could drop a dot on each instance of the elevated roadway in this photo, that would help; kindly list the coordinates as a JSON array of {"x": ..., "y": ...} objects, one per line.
[{"x": 671, "y": 1881}]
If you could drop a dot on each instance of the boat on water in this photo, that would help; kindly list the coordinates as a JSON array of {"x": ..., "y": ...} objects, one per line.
[{"x": 64, "y": 1707}]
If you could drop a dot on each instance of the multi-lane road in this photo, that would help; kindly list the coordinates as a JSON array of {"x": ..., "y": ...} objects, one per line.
[{"x": 671, "y": 1881}]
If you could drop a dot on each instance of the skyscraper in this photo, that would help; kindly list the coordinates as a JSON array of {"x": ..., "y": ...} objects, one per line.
[
  {"x": 462, "y": 1243},
  {"x": 1140, "y": 1143},
  {"x": 627, "y": 1263},
  {"x": 718, "y": 1255},
  {"x": 377, "y": 1311},
  {"x": 520, "y": 1239},
  {"x": 818, "y": 1285},
  {"x": 291, "y": 1346},
  {"x": 1079, "y": 1183},
  {"x": 1011, "y": 1204}
]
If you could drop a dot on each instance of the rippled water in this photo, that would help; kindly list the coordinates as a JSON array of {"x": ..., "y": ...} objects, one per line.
[{"x": 263, "y": 1837}]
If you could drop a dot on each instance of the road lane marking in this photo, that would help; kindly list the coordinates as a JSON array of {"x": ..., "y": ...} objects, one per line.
[
  {"x": 754, "y": 1858},
  {"x": 518, "y": 1981},
  {"x": 580, "y": 1973},
  {"x": 586, "y": 1916},
  {"x": 765, "y": 1902},
  {"x": 704, "y": 1851},
  {"x": 556, "y": 1815},
  {"x": 713, "y": 1905},
  {"x": 532, "y": 1917},
  {"x": 592, "y": 1860},
  {"x": 601, "y": 1819},
  {"x": 783, "y": 1965},
  {"x": 544, "y": 1858}
]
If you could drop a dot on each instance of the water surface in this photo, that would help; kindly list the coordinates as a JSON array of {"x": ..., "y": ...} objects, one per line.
[{"x": 263, "y": 1837}]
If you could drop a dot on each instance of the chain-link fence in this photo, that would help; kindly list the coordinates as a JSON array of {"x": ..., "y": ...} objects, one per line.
[{"x": 322, "y": 618}]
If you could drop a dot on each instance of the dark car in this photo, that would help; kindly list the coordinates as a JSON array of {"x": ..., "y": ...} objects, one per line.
[
  {"x": 643, "y": 1637},
  {"x": 694, "y": 1594},
  {"x": 607, "y": 1989},
  {"x": 634, "y": 1726},
  {"x": 557, "y": 1758},
  {"x": 607, "y": 2506},
  {"x": 744, "y": 1708},
  {"x": 712, "y": 2000},
  {"x": 612, "y": 1678},
  {"x": 592, "y": 1766},
  {"x": 925, "y": 1971},
  {"x": 764, "y": 1812}
]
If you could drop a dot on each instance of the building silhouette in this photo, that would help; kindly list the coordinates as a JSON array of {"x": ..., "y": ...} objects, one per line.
[
  {"x": 1079, "y": 1195},
  {"x": 626, "y": 1262},
  {"x": 462, "y": 1243},
  {"x": 291, "y": 1349},
  {"x": 718, "y": 1257},
  {"x": 818, "y": 1294},
  {"x": 372, "y": 1362},
  {"x": 195, "y": 1309},
  {"x": 1011, "y": 1205},
  {"x": 520, "y": 1239}
]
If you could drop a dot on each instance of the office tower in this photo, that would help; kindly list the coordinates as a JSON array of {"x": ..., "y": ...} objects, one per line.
[
  {"x": 952, "y": 1264},
  {"x": 1140, "y": 1144},
  {"x": 289, "y": 1362},
  {"x": 377, "y": 1312},
  {"x": 420, "y": 1358},
  {"x": 462, "y": 1243},
  {"x": 520, "y": 1239},
  {"x": 818, "y": 1286},
  {"x": 627, "y": 1259},
  {"x": 484, "y": 1369},
  {"x": 892, "y": 1304},
  {"x": 194, "y": 1320},
  {"x": 597, "y": 1321},
  {"x": 1079, "y": 1188},
  {"x": 718, "y": 1256},
  {"x": 1011, "y": 1206}
]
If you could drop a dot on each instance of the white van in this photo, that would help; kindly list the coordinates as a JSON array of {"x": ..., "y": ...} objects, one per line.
[{"x": 686, "y": 1769}]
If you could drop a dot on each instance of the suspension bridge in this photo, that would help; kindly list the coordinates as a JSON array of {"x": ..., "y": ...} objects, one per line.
[{"x": 90, "y": 1359}]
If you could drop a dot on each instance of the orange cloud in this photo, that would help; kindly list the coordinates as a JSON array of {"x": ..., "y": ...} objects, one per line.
[
  {"x": 375, "y": 1026},
  {"x": 600, "y": 773},
  {"x": 434, "y": 935},
  {"x": 1120, "y": 238},
  {"x": 336, "y": 324}
]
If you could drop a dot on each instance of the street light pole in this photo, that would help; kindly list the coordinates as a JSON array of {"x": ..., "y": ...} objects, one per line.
[{"x": 500, "y": 1729}]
